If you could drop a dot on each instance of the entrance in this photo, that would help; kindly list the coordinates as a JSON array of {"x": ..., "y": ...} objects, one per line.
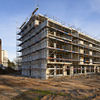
[{"x": 68, "y": 70}]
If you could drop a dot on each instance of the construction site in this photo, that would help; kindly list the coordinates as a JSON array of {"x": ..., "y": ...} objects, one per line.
[{"x": 50, "y": 49}]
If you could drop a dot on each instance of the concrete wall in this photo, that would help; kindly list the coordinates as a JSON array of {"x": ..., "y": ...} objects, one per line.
[
  {"x": 34, "y": 52},
  {"x": 4, "y": 58},
  {"x": 81, "y": 60},
  {"x": 90, "y": 45},
  {"x": 82, "y": 51},
  {"x": 35, "y": 69},
  {"x": 0, "y": 51},
  {"x": 81, "y": 42}
]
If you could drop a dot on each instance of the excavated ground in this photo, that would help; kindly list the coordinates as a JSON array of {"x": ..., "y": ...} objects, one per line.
[{"x": 64, "y": 88}]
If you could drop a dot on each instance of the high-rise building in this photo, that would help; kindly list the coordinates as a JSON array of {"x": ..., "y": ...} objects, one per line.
[{"x": 50, "y": 49}]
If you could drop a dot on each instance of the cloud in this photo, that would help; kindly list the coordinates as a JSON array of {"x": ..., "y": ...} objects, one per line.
[
  {"x": 81, "y": 13},
  {"x": 95, "y": 5}
]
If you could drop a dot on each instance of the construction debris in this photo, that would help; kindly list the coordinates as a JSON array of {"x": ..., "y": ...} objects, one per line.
[{"x": 7, "y": 70}]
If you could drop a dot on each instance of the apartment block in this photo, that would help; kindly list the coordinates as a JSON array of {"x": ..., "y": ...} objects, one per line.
[
  {"x": 4, "y": 58},
  {"x": 0, "y": 51},
  {"x": 50, "y": 49}
]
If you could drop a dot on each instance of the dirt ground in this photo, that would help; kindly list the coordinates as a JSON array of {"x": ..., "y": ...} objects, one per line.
[{"x": 64, "y": 88}]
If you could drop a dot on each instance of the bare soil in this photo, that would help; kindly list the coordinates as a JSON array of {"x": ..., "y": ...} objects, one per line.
[{"x": 64, "y": 88}]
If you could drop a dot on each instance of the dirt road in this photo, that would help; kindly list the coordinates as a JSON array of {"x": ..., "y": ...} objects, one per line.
[{"x": 65, "y": 88}]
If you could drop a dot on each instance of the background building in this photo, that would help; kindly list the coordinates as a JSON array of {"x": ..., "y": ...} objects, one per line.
[
  {"x": 0, "y": 51},
  {"x": 4, "y": 58},
  {"x": 50, "y": 49}
]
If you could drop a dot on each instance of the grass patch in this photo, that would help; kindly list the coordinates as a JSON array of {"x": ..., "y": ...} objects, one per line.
[
  {"x": 46, "y": 92},
  {"x": 36, "y": 94}
]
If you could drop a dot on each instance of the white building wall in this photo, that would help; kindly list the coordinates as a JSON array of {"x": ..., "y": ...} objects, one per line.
[
  {"x": 81, "y": 42},
  {"x": 4, "y": 58}
]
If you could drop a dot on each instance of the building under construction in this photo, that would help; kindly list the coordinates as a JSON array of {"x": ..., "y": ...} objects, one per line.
[{"x": 50, "y": 49}]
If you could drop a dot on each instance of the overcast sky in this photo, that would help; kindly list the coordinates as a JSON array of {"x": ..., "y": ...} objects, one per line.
[{"x": 84, "y": 14}]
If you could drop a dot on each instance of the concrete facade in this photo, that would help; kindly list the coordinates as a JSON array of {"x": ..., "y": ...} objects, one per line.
[
  {"x": 0, "y": 51},
  {"x": 50, "y": 49},
  {"x": 4, "y": 58}
]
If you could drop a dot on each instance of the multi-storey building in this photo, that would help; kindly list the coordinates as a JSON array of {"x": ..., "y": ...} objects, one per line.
[
  {"x": 0, "y": 51},
  {"x": 4, "y": 58},
  {"x": 50, "y": 49}
]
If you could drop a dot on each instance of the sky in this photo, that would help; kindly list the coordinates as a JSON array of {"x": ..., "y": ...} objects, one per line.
[{"x": 83, "y": 15}]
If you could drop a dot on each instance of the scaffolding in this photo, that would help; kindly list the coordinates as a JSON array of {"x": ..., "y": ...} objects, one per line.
[{"x": 50, "y": 49}]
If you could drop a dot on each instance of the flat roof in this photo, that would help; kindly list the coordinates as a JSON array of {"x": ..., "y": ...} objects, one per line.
[{"x": 56, "y": 22}]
